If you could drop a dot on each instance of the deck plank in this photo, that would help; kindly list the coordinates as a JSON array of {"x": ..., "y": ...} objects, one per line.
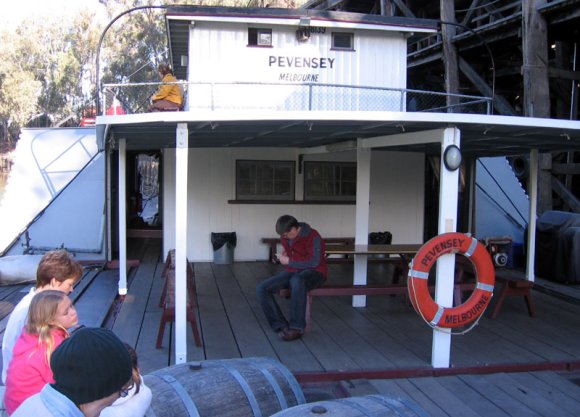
[
  {"x": 91, "y": 305},
  {"x": 471, "y": 397},
  {"x": 295, "y": 355},
  {"x": 569, "y": 404},
  {"x": 522, "y": 391},
  {"x": 362, "y": 353},
  {"x": 218, "y": 339},
  {"x": 510, "y": 405},
  {"x": 129, "y": 321},
  {"x": 445, "y": 399},
  {"x": 391, "y": 348}
]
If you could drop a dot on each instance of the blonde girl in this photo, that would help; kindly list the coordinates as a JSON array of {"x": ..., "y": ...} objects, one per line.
[{"x": 50, "y": 314}]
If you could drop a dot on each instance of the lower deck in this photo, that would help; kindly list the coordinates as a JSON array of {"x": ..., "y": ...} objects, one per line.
[{"x": 514, "y": 365}]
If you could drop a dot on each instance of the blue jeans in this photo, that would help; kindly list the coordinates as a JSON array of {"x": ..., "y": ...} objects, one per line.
[{"x": 299, "y": 284}]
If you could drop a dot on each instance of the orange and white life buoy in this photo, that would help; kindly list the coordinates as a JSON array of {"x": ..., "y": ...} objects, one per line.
[{"x": 466, "y": 313}]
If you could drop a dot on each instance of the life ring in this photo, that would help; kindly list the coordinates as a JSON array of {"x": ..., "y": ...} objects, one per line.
[{"x": 466, "y": 313}]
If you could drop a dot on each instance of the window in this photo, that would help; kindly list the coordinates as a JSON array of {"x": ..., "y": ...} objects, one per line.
[
  {"x": 259, "y": 37},
  {"x": 330, "y": 181},
  {"x": 265, "y": 180},
  {"x": 342, "y": 40}
]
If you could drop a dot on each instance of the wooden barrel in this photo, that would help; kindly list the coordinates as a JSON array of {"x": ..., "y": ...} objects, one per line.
[
  {"x": 249, "y": 387},
  {"x": 370, "y": 405}
]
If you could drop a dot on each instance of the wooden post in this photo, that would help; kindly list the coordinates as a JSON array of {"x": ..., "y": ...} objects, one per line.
[
  {"x": 536, "y": 86},
  {"x": 449, "y": 54}
]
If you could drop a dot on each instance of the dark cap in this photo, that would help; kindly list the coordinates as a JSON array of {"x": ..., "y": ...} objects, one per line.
[
  {"x": 285, "y": 223},
  {"x": 91, "y": 364}
]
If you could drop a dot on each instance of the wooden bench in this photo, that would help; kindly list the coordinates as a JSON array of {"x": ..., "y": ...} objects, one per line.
[
  {"x": 350, "y": 290},
  {"x": 329, "y": 241},
  {"x": 512, "y": 286},
  {"x": 167, "y": 299}
]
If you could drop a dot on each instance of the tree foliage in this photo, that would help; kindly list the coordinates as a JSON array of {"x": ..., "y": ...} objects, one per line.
[{"x": 48, "y": 66}]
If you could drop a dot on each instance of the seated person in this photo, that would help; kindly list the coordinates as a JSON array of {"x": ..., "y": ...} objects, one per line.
[
  {"x": 138, "y": 398},
  {"x": 51, "y": 313},
  {"x": 303, "y": 256},
  {"x": 91, "y": 370},
  {"x": 168, "y": 97}
]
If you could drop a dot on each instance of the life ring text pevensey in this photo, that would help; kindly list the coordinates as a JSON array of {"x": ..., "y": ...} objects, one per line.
[{"x": 450, "y": 317}]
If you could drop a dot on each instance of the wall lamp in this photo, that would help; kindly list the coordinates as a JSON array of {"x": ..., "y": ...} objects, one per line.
[{"x": 452, "y": 157}]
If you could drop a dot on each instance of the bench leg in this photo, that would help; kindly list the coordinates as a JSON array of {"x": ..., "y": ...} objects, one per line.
[
  {"x": 528, "y": 297},
  {"x": 162, "y": 322},
  {"x": 500, "y": 301},
  {"x": 193, "y": 322},
  {"x": 308, "y": 311}
]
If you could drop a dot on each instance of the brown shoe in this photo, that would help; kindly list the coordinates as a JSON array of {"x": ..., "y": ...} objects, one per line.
[{"x": 291, "y": 334}]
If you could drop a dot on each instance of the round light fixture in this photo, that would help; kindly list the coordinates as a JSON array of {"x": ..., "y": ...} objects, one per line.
[{"x": 452, "y": 157}]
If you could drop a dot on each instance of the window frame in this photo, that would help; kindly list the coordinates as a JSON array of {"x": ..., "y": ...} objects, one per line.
[
  {"x": 350, "y": 35},
  {"x": 259, "y": 163},
  {"x": 333, "y": 181},
  {"x": 254, "y": 40}
]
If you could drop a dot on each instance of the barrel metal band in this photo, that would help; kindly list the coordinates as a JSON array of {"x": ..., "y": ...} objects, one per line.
[
  {"x": 437, "y": 316},
  {"x": 275, "y": 386},
  {"x": 294, "y": 386},
  {"x": 182, "y": 393},
  {"x": 484, "y": 287},
  {"x": 245, "y": 387},
  {"x": 471, "y": 248}
]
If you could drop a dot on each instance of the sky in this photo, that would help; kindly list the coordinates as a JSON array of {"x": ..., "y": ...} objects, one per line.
[{"x": 12, "y": 12}]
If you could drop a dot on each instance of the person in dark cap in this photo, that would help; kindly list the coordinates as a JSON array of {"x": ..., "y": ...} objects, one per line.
[
  {"x": 303, "y": 255},
  {"x": 91, "y": 369}
]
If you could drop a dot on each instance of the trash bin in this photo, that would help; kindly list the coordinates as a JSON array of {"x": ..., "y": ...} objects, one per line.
[{"x": 223, "y": 247}]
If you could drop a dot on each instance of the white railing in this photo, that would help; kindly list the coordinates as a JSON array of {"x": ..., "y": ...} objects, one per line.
[{"x": 220, "y": 96}]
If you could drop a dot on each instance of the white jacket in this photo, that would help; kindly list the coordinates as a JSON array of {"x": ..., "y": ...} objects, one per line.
[{"x": 133, "y": 405}]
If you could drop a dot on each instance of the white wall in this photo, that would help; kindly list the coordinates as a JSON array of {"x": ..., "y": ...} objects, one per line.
[
  {"x": 396, "y": 201},
  {"x": 219, "y": 52}
]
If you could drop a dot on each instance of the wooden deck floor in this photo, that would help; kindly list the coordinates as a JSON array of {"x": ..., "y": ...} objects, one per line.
[{"x": 514, "y": 365}]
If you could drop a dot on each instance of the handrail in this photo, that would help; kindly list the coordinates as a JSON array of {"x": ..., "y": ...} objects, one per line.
[{"x": 313, "y": 96}]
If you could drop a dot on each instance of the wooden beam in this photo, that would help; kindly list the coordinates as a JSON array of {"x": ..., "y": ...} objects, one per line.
[
  {"x": 536, "y": 86},
  {"x": 566, "y": 169},
  {"x": 566, "y": 195},
  {"x": 403, "y": 8},
  {"x": 535, "y": 60},
  {"x": 449, "y": 52},
  {"x": 470, "y": 10},
  {"x": 562, "y": 73},
  {"x": 499, "y": 103}
]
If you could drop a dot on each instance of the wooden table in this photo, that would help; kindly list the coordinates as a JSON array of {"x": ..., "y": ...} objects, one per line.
[{"x": 404, "y": 251}]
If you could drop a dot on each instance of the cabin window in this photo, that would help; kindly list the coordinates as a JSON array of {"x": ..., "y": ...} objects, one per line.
[
  {"x": 343, "y": 40},
  {"x": 265, "y": 180},
  {"x": 330, "y": 181},
  {"x": 259, "y": 37}
]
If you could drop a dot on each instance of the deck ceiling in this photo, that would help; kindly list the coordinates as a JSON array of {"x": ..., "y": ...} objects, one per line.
[{"x": 480, "y": 135}]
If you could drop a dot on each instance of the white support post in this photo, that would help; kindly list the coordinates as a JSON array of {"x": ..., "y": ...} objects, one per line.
[
  {"x": 122, "y": 203},
  {"x": 533, "y": 193},
  {"x": 181, "y": 161},
  {"x": 448, "y": 198},
  {"x": 363, "y": 187}
]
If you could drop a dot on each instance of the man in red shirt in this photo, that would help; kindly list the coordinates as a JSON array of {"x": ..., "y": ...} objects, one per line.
[{"x": 304, "y": 256}]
